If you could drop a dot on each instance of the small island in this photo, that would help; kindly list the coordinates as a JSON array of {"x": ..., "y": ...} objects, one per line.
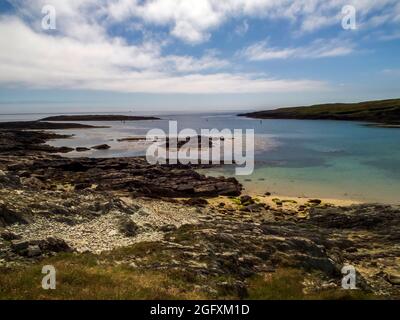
[
  {"x": 108, "y": 117},
  {"x": 40, "y": 125},
  {"x": 386, "y": 112}
]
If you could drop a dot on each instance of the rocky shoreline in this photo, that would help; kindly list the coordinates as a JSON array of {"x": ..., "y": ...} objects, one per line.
[
  {"x": 41, "y": 125},
  {"x": 106, "y": 117},
  {"x": 201, "y": 227}
]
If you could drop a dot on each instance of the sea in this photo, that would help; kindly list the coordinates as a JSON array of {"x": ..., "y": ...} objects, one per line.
[{"x": 297, "y": 158}]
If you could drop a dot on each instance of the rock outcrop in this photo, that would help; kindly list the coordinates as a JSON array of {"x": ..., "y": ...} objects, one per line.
[{"x": 133, "y": 175}]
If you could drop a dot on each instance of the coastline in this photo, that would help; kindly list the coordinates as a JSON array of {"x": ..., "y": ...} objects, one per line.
[{"x": 202, "y": 235}]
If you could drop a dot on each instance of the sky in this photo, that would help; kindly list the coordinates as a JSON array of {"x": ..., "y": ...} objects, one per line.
[{"x": 195, "y": 55}]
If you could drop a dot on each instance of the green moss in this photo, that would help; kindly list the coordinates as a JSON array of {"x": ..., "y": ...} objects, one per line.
[{"x": 236, "y": 200}]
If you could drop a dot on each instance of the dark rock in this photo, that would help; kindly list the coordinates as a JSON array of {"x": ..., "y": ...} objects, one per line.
[
  {"x": 9, "y": 216},
  {"x": 53, "y": 244},
  {"x": 33, "y": 251},
  {"x": 82, "y": 149},
  {"x": 25, "y": 125},
  {"x": 252, "y": 208},
  {"x": 8, "y": 235},
  {"x": 20, "y": 142},
  {"x": 127, "y": 227},
  {"x": 32, "y": 248},
  {"x": 167, "y": 228},
  {"x": 33, "y": 183},
  {"x": 267, "y": 194},
  {"x": 135, "y": 139},
  {"x": 315, "y": 201},
  {"x": 199, "y": 202},
  {"x": 127, "y": 174},
  {"x": 101, "y": 147},
  {"x": 359, "y": 219},
  {"x": 20, "y": 246},
  {"x": 65, "y": 149},
  {"x": 82, "y": 186},
  {"x": 194, "y": 142},
  {"x": 246, "y": 200}
]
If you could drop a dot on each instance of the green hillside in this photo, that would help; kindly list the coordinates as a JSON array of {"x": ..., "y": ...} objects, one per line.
[{"x": 383, "y": 111}]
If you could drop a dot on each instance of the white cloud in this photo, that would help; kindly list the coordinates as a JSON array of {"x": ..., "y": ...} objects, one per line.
[
  {"x": 82, "y": 53},
  {"x": 391, "y": 72},
  {"x": 41, "y": 60},
  {"x": 193, "y": 20},
  {"x": 260, "y": 51},
  {"x": 190, "y": 64}
]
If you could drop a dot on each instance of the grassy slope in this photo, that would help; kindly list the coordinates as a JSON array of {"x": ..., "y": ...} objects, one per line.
[
  {"x": 383, "y": 111},
  {"x": 88, "y": 276}
]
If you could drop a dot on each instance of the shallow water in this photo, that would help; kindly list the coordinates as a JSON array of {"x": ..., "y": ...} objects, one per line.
[{"x": 329, "y": 159}]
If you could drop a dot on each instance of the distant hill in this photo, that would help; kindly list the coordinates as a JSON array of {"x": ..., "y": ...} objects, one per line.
[
  {"x": 383, "y": 111},
  {"x": 108, "y": 117},
  {"x": 37, "y": 125}
]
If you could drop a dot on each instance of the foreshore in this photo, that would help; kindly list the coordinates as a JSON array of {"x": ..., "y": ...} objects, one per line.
[{"x": 176, "y": 233}]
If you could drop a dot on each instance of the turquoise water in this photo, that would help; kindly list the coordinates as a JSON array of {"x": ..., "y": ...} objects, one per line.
[{"x": 330, "y": 159}]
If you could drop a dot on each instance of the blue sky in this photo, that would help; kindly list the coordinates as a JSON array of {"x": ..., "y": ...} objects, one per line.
[{"x": 195, "y": 55}]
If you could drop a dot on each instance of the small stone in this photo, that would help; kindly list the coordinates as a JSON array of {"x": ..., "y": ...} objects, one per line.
[
  {"x": 101, "y": 147},
  {"x": 65, "y": 149},
  {"x": 33, "y": 251},
  {"x": 393, "y": 279},
  {"x": 252, "y": 208},
  {"x": 200, "y": 202},
  {"x": 167, "y": 228},
  {"x": 19, "y": 245},
  {"x": 245, "y": 199}
]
